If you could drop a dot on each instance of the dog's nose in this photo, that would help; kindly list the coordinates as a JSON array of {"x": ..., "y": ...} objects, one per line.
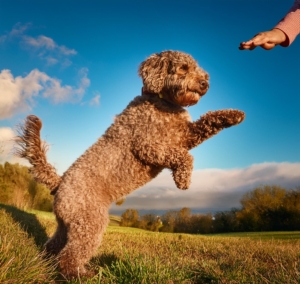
[{"x": 203, "y": 84}]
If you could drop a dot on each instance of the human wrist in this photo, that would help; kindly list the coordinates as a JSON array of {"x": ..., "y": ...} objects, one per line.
[{"x": 280, "y": 36}]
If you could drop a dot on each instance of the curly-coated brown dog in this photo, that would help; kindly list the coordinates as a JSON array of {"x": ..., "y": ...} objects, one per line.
[{"x": 154, "y": 132}]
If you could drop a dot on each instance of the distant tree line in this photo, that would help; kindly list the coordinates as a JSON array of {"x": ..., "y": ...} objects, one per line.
[
  {"x": 18, "y": 188},
  {"x": 266, "y": 208}
]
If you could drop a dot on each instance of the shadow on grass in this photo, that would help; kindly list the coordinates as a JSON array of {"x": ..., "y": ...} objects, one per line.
[
  {"x": 104, "y": 260},
  {"x": 28, "y": 223}
]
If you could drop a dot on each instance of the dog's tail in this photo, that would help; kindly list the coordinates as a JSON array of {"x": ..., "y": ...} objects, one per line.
[{"x": 30, "y": 146}]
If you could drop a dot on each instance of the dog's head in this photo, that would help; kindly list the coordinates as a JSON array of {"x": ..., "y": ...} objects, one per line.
[{"x": 175, "y": 76}]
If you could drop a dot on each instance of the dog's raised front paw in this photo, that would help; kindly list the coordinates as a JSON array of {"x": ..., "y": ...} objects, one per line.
[
  {"x": 225, "y": 118},
  {"x": 182, "y": 178}
]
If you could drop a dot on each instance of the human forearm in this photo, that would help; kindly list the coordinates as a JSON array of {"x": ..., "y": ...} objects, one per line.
[{"x": 290, "y": 24}]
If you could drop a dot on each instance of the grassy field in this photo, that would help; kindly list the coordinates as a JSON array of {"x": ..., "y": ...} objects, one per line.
[
  {"x": 264, "y": 235},
  {"x": 130, "y": 255}
]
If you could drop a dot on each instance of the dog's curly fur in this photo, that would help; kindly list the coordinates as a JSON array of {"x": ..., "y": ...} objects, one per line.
[{"x": 154, "y": 132}]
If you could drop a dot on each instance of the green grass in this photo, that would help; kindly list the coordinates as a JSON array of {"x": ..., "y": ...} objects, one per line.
[
  {"x": 42, "y": 214},
  {"x": 263, "y": 235},
  {"x": 129, "y": 255},
  {"x": 114, "y": 220},
  {"x": 20, "y": 258}
]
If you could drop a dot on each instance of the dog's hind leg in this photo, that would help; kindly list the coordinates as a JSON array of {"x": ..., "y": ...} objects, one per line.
[
  {"x": 57, "y": 242},
  {"x": 84, "y": 235}
]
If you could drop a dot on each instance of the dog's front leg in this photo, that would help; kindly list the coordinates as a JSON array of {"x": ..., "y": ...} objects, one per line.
[
  {"x": 177, "y": 159},
  {"x": 210, "y": 124}
]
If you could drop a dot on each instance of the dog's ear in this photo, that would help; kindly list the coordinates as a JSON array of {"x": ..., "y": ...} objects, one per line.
[{"x": 153, "y": 72}]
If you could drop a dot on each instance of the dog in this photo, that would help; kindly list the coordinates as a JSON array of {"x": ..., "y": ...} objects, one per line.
[{"x": 154, "y": 132}]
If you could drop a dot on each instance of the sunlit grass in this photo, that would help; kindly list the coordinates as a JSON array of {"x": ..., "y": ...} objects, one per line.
[
  {"x": 42, "y": 214},
  {"x": 295, "y": 235},
  {"x": 20, "y": 258},
  {"x": 129, "y": 255}
]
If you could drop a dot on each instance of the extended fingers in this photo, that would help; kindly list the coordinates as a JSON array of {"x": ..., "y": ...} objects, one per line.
[
  {"x": 266, "y": 40},
  {"x": 261, "y": 39}
]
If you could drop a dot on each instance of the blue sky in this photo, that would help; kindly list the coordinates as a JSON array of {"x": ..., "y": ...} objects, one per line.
[{"x": 74, "y": 64}]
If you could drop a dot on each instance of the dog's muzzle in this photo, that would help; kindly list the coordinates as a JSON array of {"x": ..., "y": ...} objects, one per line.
[{"x": 203, "y": 85}]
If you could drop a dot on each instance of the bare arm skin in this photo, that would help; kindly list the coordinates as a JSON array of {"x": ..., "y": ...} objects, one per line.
[
  {"x": 284, "y": 33},
  {"x": 267, "y": 40}
]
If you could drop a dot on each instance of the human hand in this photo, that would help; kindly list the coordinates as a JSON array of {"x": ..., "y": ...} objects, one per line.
[{"x": 266, "y": 40}]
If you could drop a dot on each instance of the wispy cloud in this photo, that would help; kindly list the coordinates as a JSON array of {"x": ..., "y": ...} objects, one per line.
[
  {"x": 95, "y": 101},
  {"x": 44, "y": 47},
  {"x": 47, "y": 49},
  {"x": 46, "y": 43},
  {"x": 17, "y": 94},
  {"x": 211, "y": 189},
  {"x": 52, "y": 61},
  {"x": 40, "y": 42},
  {"x": 18, "y": 30},
  {"x": 58, "y": 93}
]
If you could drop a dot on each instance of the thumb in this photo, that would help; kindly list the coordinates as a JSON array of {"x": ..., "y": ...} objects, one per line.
[{"x": 268, "y": 45}]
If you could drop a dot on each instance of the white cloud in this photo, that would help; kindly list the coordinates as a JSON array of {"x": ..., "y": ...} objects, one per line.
[
  {"x": 211, "y": 189},
  {"x": 17, "y": 93},
  {"x": 46, "y": 43},
  {"x": 95, "y": 101},
  {"x": 6, "y": 145},
  {"x": 47, "y": 49},
  {"x": 18, "y": 29},
  {"x": 66, "y": 63},
  {"x": 59, "y": 94},
  {"x": 51, "y": 60},
  {"x": 66, "y": 51},
  {"x": 40, "y": 42},
  {"x": 44, "y": 47}
]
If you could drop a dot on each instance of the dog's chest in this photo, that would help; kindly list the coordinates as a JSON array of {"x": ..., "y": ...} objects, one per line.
[
  {"x": 152, "y": 120},
  {"x": 169, "y": 128}
]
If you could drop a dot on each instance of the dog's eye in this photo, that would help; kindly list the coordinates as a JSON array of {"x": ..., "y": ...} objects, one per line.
[{"x": 182, "y": 69}]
